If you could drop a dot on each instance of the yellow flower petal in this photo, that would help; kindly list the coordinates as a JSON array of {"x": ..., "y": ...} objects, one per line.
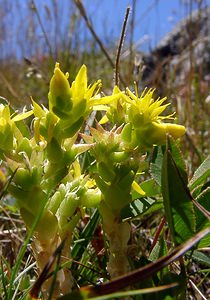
[{"x": 137, "y": 188}]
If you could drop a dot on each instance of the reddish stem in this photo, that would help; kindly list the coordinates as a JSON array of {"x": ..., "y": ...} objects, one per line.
[{"x": 162, "y": 223}]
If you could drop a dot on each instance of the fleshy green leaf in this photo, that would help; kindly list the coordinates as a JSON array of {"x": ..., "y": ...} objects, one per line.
[{"x": 23, "y": 116}]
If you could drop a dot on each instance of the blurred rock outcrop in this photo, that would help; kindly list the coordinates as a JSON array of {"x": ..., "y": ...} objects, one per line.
[{"x": 185, "y": 50}]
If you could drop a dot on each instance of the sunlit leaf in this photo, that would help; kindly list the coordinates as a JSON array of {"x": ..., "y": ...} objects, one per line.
[
  {"x": 177, "y": 200},
  {"x": 200, "y": 174},
  {"x": 138, "y": 189},
  {"x": 22, "y": 116},
  {"x": 156, "y": 164},
  {"x": 136, "y": 208}
]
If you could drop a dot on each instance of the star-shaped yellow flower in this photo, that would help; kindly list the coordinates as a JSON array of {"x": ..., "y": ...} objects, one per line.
[{"x": 145, "y": 121}]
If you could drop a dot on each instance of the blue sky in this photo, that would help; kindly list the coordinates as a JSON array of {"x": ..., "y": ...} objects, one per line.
[{"x": 153, "y": 18}]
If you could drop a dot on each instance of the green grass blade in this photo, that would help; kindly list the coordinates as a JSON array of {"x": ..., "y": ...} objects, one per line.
[
  {"x": 21, "y": 254},
  {"x": 3, "y": 279},
  {"x": 137, "y": 208},
  {"x": 85, "y": 236},
  {"x": 137, "y": 275},
  {"x": 121, "y": 295}
]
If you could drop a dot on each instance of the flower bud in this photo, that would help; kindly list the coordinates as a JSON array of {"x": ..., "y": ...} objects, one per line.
[
  {"x": 68, "y": 205},
  {"x": 91, "y": 198},
  {"x": 25, "y": 146},
  {"x": 155, "y": 133},
  {"x": 47, "y": 227},
  {"x": 126, "y": 133},
  {"x": 118, "y": 157},
  {"x": 60, "y": 94},
  {"x": 6, "y": 135}
]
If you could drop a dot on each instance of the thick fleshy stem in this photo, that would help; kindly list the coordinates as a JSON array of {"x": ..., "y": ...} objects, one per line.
[
  {"x": 118, "y": 235},
  {"x": 43, "y": 249}
]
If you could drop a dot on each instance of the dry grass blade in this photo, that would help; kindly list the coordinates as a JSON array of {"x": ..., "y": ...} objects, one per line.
[
  {"x": 4, "y": 190},
  {"x": 126, "y": 294},
  {"x": 34, "y": 8},
  {"x": 120, "y": 46},
  {"x": 83, "y": 13},
  {"x": 145, "y": 272},
  {"x": 44, "y": 274}
]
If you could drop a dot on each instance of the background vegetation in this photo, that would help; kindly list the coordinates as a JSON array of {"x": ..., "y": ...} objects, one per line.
[{"x": 26, "y": 66}]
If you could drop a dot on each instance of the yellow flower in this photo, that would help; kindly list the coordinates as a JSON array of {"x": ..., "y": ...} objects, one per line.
[
  {"x": 115, "y": 112},
  {"x": 72, "y": 104},
  {"x": 8, "y": 129},
  {"x": 146, "y": 123}
]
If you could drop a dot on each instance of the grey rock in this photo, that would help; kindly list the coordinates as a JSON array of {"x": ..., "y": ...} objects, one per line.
[{"x": 187, "y": 46}]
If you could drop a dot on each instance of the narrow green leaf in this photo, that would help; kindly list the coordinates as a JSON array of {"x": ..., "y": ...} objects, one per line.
[
  {"x": 121, "y": 294},
  {"x": 85, "y": 236},
  {"x": 177, "y": 200},
  {"x": 205, "y": 242},
  {"x": 136, "y": 208},
  {"x": 139, "y": 274},
  {"x": 22, "y": 116},
  {"x": 200, "y": 174},
  {"x": 157, "y": 206},
  {"x": 3, "y": 101},
  {"x": 152, "y": 290}
]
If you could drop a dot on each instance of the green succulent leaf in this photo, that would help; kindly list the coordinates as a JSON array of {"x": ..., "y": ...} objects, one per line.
[{"x": 22, "y": 116}]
